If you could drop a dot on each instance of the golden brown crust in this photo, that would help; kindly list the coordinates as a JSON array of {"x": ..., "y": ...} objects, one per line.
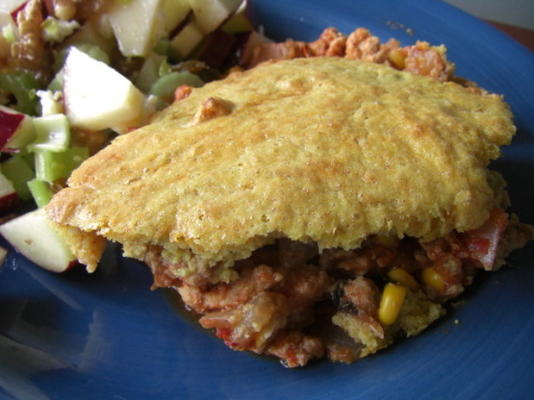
[{"x": 321, "y": 149}]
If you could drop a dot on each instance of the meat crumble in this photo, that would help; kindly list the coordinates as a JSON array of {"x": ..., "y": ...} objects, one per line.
[{"x": 420, "y": 58}]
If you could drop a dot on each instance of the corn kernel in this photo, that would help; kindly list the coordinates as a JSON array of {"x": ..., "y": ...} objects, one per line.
[
  {"x": 433, "y": 279},
  {"x": 400, "y": 276},
  {"x": 391, "y": 303}
]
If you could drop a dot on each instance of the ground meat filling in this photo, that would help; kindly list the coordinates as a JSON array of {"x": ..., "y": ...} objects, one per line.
[
  {"x": 297, "y": 304},
  {"x": 420, "y": 58}
]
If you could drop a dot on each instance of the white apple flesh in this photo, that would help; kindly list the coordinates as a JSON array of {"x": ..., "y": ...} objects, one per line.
[
  {"x": 8, "y": 196},
  {"x": 210, "y": 14},
  {"x": 187, "y": 39},
  {"x": 16, "y": 129},
  {"x": 11, "y": 6},
  {"x": 137, "y": 25},
  {"x": 98, "y": 97},
  {"x": 174, "y": 12},
  {"x": 33, "y": 236}
]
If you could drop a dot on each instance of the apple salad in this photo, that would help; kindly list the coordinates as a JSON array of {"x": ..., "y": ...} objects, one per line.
[{"x": 76, "y": 73}]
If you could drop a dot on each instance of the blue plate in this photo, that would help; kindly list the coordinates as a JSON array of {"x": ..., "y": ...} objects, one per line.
[{"x": 106, "y": 336}]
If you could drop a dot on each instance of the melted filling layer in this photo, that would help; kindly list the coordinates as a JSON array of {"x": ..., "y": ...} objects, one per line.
[{"x": 297, "y": 304}]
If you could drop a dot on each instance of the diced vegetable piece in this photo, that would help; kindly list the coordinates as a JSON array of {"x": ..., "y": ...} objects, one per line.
[
  {"x": 53, "y": 133},
  {"x": 98, "y": 97},
  {"x": 22, "y": 85},
  {"x": 34, "y": 236},
  {"x": 186, "y": 40},
  {"x": 55, "y": 30},
  {"x": 8, "y": 195},
  {"x": 163, "y": 47},
  {"x": 165, "y": 86},
  {"x": 51, "y": 166},
  {"x": 95, "y": 52},
  {"x": 91, "y": 50},
  {"x": 6, "y": 186},
  {"x": 239, "y": 22},
  {"x": 40, "y": 191},
  {"x": 8, "y": 27},
  {"x": 137, "y": 26},
  {"x": 149, "y": 72},
  {"x": 154, "y": 103},
  {"x": 17, "y": 170},
  {"x": 16, "y": 130},
  {"x": 57, "y": 83},
  {"x": 433, "y": 279},
  {"x": 96, "y": 32},
  {"x": 50, "y": 102},
  {"x": 391, "y": 303},
  {"x": 164, "y": 68},
  {"x": 174, "y": 12},
  {"x": 210, "y": 14}
]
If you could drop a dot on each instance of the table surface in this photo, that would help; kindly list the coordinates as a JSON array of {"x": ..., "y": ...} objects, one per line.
[
  {"x": 513, "y": 17},
  {"x": 522, "y": 35}
]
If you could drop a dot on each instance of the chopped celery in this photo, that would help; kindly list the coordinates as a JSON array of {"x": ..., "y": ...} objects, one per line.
[
  {"x": 165, "y": 86},
  {"x": 19, "y": 173},
  {"x": 55, "y": 30},
  {"x": 57, "y": 83},
  {"x": 40, "y": 191},
  {"x": 29, "y": 158},
  {"x": 149, "y": 72},
  {"x": 22, "y": 85},
  {"x": 94, "y": 51},
  {"x": 164, "y": 68},
  {"x": 91, "y": 50},
  {"x": 51, "y": 166},
  {"x": 53, "y": 133},
  {"x": 163, "y": 47}
]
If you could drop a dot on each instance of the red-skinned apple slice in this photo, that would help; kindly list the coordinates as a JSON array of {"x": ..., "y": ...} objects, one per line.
[
  {"x": 8, "y": 195},
  {"x": 33, "y": 236},
  {"x": 16, "y": 129}
]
